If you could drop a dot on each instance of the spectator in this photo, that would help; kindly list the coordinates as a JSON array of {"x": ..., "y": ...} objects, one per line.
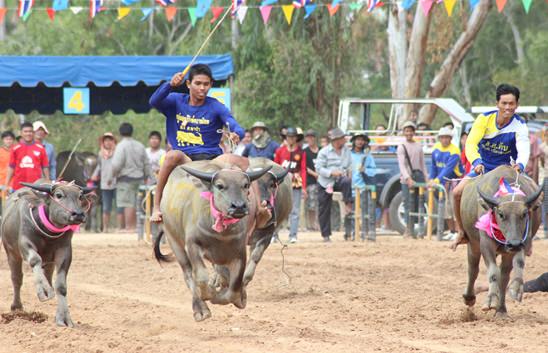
[
  {"x": 333, "y": 166},
  {"x": 262, "y": 144},
  {"x": 28, "y": 160},
  {"x": 40, "y": 133},
  {"x": 324, "y": 141},
  {"x": 103, "y": 173},
  {"x": 463, "y": 160},
  {"x": 412, "y": 167},
  {"x": 154, "y": 151},
  {"x": 449, "y": 124},
  {"x": 311, "y": 209},
  {"x": 445, "y": 165},
  {"x": 8, "y": 138},
  {"x": 283, "y": 133},
  {"x": 130, "y": 167},
  {"x": 244, "y": 142},
  {"x": 544, "y": 164},
  {"x": 290, "y": 156},
  {"x": 532, "y": 167}
]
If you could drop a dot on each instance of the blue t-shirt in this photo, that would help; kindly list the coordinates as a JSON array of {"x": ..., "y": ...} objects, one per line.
[
  {"x": 359, "y": 160},
  {"x": 268, "y": 152},
  {"x": 193, "y": 129}
]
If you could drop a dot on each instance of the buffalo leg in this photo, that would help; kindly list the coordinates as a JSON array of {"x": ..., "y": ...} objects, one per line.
[
  {"x": 493, "y": 274},
  {"x": 256, "y": 252},
  {"x": 49, "y": 267},
  {"x": 516, "y": 286},
  {"x": 43, "y": 288},
  {"x": 505, "y": 269},
  {"x": 200, "y": 273},
  {"x": 63, "y": 259},
  {"x": 235, "y": 293},
  {"x": 16, "y": 268},
  {"x": 474, "y": 257}
]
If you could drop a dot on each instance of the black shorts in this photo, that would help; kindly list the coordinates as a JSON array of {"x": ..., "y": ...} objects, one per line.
[{"x": 202, "y": 156}]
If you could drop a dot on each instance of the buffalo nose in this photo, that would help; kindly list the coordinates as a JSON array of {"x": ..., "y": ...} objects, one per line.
[
  {"x": 238, "y": 205},
  {"x": 79, "y": 215},
  {"x": 514, "y": 243}
]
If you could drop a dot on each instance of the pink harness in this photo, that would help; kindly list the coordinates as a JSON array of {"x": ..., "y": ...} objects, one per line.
[
  {"x": 50, "y": 227},
  {"x": 221, "y": 221}
]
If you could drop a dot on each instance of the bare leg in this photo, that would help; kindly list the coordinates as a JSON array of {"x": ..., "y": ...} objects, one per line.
[
  {"x": 457, "y": 195},
  {"x": 131, "y": 218},
  {"x": 173, "y": 159},
  {"x": 120, "y": 220},
  {"x": 106, "y": 222}
]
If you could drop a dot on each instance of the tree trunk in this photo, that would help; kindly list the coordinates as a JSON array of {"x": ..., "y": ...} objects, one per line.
[
  {"x": 235, "y": 31},
  {"x": 397, "y": 51},
  {"x": 454, "y": 58},
  {"x": 465, "y": 83},
  {"x": 517, "y": 36}
]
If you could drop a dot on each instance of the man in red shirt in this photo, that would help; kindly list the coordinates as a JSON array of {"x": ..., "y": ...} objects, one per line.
[
  {"x": 292, "y": 157},
  {"x": 28, "y": 160}
]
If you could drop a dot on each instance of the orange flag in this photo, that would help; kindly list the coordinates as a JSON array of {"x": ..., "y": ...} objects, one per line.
[
  {"x": 501, "y": 4},
  {"x": 3, "y": 11},
  {"x": 170, "y": 13},
  {"x": 51, "y": 13},
  {"x": 332, "y": 9},
  {"x": 216, "y": 11}
]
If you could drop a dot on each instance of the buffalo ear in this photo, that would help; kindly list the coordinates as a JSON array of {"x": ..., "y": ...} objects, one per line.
[
  {"x": 489, "y": 201},
  {"x": 484, "y": 204},
  {"x": 530, "y": 201}
]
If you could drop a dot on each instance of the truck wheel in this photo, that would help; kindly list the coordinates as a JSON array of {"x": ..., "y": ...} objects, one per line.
[{"x": 396, "y": 215}]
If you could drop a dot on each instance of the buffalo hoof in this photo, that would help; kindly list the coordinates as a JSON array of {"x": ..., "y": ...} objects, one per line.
[
  {"x": 202, "y": 315},
  {"x": 469, "y": 300},
  {"x": 16, "y": 306},
  {"x": 491, "y": 302},
  {"x": 516, "y": 290},
  {"x": 45, "y": 292},
  {"x": 242, "y": 302},
  {"x": 499, "y": 315},
  {"x": 64, "y": 321}
]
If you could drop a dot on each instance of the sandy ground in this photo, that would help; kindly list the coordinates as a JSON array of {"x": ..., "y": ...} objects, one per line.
[{"x": 394, "y": 295}]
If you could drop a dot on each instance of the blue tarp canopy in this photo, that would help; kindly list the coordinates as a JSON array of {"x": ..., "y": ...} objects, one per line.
[{"x": 117, "y": 83}]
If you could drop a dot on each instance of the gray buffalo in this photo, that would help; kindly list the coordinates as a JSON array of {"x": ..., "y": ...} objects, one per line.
[
  {"x": 274, "y": 190},
  {"x": 207, "y": 211},
  {"x": 37, "y": 227},
  {"x": 518, "y": 218}
]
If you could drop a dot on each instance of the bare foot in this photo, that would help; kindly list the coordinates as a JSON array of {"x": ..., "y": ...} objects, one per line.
[
  {"x": 156, "y": 216},
  {"x": 461, "y": 239}
]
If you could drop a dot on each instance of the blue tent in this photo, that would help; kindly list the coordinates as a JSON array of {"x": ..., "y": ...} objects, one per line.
[{"x": 117, "y": 83}]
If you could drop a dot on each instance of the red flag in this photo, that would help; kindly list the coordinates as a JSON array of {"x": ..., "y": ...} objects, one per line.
[
  {"x": 216, "y": 11},
  {"x": 3, "y": 11},
  {"x": 170, "y": 13},
  {"x": 500, "y": 5},
  {"x": 332, "y": 9},
  {"x": 51, "y": 13}
]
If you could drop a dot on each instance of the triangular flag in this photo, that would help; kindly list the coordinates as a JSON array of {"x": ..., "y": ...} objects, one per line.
[
  {"x": 26, "y": 15},
  {"x": 192, "y": 14},
  {"x": 76, "y": 9},
  {"x": 288, "y": 12},
  {"x": 268, "y": 2},
  {"x": 406, "y": 4},
  {"x": 308, "y": 9},
  {"x": 449, "y": 6},
  {"x": 473, "y": 4},
  {"x": 332, "y": 10},
  {"x": 123, "y": 12},
  {"x": 51, "y": 13},
  {"x": 59, "y": 5},
  {"x": 146, "y": 12},
  {"x": 501, "y": 4},
  {"x": 241, "y": 13},
  {"x": 170, "y": 13},
  {"x": 216, "y": 11},
  {"x": 3, "y": 11},
  {"x": 335, "y": 3},
  {"x": 265, "y": 13},
  {"x": 129, "y": 2},
  {"x": 426, "y": 6},
  {"x": 202, "y": 7},
  {"x": 355, "y": 6},
  {"x": 527, "y": 5}
]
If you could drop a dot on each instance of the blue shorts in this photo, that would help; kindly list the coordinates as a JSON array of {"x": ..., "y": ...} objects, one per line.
[{"x": 107, "y": 199}]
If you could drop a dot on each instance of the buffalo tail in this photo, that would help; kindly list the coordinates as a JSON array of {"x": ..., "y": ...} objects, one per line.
[{"x": 158, "y": 253}]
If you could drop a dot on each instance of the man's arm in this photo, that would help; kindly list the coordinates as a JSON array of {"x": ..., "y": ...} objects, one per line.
[
  {"x": 229, "y": 120},
  {"x": 321, "y": 164},
  {"x": 45, "y": 165},
  {"x": 472, "y": 143},
  {"x": 449, "y": 167},
  {"x": 118, "y": 160},
  {"x": 402, "y": 163},
  {"x": 45, "y": 171},
  {"x": 9, "y": 176},
  {"x": 433, "y": 167},
  {"x": 52, "y": 164},
  {"x": 303, "y": 169},
  {"x": 162, "y": 100},
  {"x": 523, "y": 146}
]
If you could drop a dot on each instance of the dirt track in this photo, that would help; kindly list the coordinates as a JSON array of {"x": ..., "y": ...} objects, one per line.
[{"x": 392, "y": 296}]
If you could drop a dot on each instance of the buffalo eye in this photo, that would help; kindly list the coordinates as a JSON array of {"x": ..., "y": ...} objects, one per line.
[
  {"x": 246, "y": 186},
  {"x": 220, "y": 186},
  {"x": 501, "y": 215},
  {"x": 58, "y": 195},
  {"x": 524, "y": 214}
]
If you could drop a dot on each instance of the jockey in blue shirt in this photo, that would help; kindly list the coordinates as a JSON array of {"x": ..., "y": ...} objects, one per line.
[{"x": 194, "y": 124}]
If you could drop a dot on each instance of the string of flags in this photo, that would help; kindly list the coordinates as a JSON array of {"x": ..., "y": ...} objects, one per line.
[{"x": 239, "y": 8}]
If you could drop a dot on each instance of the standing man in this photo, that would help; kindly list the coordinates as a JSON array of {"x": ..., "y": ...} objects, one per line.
[
  {"x": 192, "y": 124},
  {"x": 262, "y": 144},
  {"x": 333, "y": 165},
  {"x": 8, "y": 138},
  {"x": 155, "y": 151},
  {"x": 412, "y": 167},
  {"x": 243, "y": 143},
  {"x": 446, "y": 165},
  {"x": 40, "y": 133},
  {"x": 131, "y": 168},
  {"x": 497, "y": 138},
  {"x": 290, "y": 156},
  {"x": 28, "y": 160},
  {"x": 311, "y": 153}
]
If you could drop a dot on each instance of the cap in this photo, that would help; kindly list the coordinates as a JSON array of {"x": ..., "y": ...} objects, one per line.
[
  {"x": 259, "y": 124},
  {"x": 359, "y": 134},
  {"x": 336, "y": 133},
  {"x": 310, "y": 132},
  {"x": 409, "y": 123},
  {"x": 445, "y": 131},
  {"x": 38, "y": 124},
  {"x": 108, "y": 134},
  {"x": 291, "y": 131}
]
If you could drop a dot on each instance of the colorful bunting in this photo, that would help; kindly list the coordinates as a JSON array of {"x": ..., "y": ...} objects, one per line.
[
  {"x": 165, "y": 3},
  {"x": 3, "y": 11},
  {"x": 236, "y": 4},
  {"x": 308, "y": 9},
  {"x": 202, "y": 7},
  {"x": 192, "y": 13},
  {"x": 426, "y": 6},
  {"x": 298, "y": 4},
  {"x": 500, "y": 5},
  {"x": 406, "y": 4},
  {"x": 123, "y": 12},
  {"x": 216, "y": 11},
  {"x": 76, "y": 9},
  {"x": 95, "y": 6},
  {"x": 288, "y": 12},
  {"x": 449, "y": 6},
  {"x": 265, "y": 13},
  {"x": 147, "y": 11},
  {"x": 241, "y": 13},
  {"x": 171, "y": 11},
  {"x": 51, "y": 13},
  {"x": 527, "y": 5},
  {"x": 371, "y": 4},
  {"x": 59, "y": 5},
  {"x": 332, "y": 10},
  {"x": 130, "y": 2},
  {"x": 268, "y": 2},
  {"x": 473, "y": 4},
  {"x": 24, "y": 8},
  {"x": 355, "y": 6},
  {"x": 335, "y": 3}
]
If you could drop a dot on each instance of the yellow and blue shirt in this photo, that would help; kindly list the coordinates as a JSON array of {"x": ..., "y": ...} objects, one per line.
[
  {"x": 445, "y": 163},
  {"x": 492, "y": 146}
]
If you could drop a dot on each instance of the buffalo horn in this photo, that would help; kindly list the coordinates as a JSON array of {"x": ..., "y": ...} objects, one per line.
[
  {"x": 87, "y": 190},
  {"x": 492, "y": 201},
  {"x": 256, "y": 174},
  {"x": 205, "y": 176},
  {"x": 281, "y": 176},
  {"x": 43, "y": 188},
  {"x": 533, "y": 197}
]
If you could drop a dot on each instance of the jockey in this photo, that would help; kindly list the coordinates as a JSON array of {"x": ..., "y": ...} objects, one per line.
[
  {"x": 193, "y": 125},
  {"x": 498, "y": 137}
]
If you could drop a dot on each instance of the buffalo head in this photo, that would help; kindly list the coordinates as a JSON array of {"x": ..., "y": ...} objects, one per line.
[
  {"x": 230, "y": 188},
  {"x": 268, "y": 185},
  {"x": 66, "y": 202},
  {"x": 512, "y": 215}
]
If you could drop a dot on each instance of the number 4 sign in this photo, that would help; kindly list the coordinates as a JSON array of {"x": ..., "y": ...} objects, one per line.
[{"x": 76, "y": 100}]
